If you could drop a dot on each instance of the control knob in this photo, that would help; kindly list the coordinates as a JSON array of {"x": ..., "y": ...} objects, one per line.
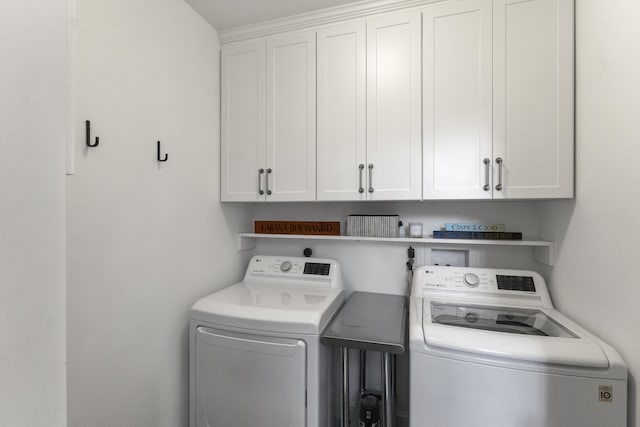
[
  {"x": 285, "y": 266},
  {"x": 471, "y": 280}
]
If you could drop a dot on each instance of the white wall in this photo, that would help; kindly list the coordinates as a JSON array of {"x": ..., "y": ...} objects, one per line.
[
  {"x": 145, "y": 240},
  {"x": 32, "y": 252},
  {"x": 596, "y": 279}
]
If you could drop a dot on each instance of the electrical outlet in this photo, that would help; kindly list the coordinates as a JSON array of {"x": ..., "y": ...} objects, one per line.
[{"x": 452, "y": 257}]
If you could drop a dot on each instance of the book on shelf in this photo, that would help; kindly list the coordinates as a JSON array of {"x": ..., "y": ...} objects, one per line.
[
  {"x": 459, "y": 226},
  {"x": 327, "y": 228},
  {"x": 477, "y": 235}
]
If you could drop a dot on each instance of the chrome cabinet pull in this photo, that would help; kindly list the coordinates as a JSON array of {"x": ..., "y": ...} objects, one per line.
[
  {"x": 268, "y": 190},
  {"x": 371, "y": 190},
  {"x": 486, "y": 174},
  {"x": 260, "y": 190},
  {"x": 499, "y": 162},
  {"x": 360, "y": 187}
]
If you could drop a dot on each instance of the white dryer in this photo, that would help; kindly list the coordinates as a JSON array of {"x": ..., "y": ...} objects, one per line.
[
  {"x": 255, "y": 354},
  {"x": 487, "y": 349}
]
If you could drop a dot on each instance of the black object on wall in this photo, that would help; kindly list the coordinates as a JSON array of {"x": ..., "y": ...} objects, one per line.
[
  {"x": 166, "y": 155},
  {"x": 87, "y": 126}
]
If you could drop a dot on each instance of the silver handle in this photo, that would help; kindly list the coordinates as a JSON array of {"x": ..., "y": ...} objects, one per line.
[
  {"x": 268, "y": 190},
  {"x": 260, "y": 190},
  {"x": 360, "y": 187},
  {"x": 499, "y": 162},
  {"x": 486, "y": 174},
  {"x": 371, "y": 190},
  {"x": 239, "y": 342}
]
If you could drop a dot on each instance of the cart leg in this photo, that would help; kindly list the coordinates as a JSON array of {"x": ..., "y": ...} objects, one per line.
[
  {"x": 363, "y": 371},
  {"x": 344, "y": 422},
  {"x": 394, "y": 371},
  {"x": 387, "y": 399}
]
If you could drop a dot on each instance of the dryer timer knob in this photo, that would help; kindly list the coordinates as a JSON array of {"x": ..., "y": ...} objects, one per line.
[
  {"x": 471, "y": 280},
  {"x": 285, "y": 266}
]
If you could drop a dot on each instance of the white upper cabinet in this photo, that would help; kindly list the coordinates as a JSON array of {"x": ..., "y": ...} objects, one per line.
[
  {"x": 465, "y": 99},
  {"x": 498, "y": 99},
  {"x": 291, "y": 118},
  {"x": 457, "y": 100},
  {"x": 268, "y": 119},
  {"x": 341, "y": 146},
  {"x": 394, "y": 155},
  {"x": 533, "y": 79},
  {"x": 369, "y": 110},
  {"x": 242, "y": 120}
]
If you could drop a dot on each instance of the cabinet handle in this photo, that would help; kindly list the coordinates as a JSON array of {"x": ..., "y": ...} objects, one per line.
[
  {"x": 268, "y": 190},
  {"x": 486, "y": 174},
  {"x": 371, "y": 190},
  {"x": 360, "y": 187},
  {"x": 499, "y": 162},
  {"x": 260, "y": 190}
]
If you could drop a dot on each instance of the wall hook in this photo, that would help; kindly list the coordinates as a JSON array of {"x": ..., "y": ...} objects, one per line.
[
  {"x": 166, "y": 156},
  {"x": 87, "y": 125}
]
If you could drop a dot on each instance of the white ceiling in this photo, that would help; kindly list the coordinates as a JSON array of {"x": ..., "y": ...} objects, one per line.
[{"x": 225, "y": 14}]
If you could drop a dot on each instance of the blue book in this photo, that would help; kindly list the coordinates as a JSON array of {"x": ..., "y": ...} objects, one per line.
[
  {"x": 457, "y": 226},
  {"x": 482, "y": 235}
]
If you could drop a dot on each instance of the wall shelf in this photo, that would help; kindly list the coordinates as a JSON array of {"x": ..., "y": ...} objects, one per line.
[{"x": 543, "y": 250}]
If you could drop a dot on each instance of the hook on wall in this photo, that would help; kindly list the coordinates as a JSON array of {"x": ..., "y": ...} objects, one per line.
[
  {"x": 166, "y": 156},
  {"x": 87, "y": 125}
]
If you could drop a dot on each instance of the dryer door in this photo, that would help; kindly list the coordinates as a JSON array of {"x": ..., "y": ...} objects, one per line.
[{"x": 246, "y": 380}]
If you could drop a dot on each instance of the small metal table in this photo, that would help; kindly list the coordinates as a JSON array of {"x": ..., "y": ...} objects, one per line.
[{"x": 372, "y": 322}]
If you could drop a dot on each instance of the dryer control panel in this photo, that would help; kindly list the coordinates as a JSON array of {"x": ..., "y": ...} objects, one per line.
[
  {"x": 480, "y": 283},
  {"x": 314, "y": 270}
]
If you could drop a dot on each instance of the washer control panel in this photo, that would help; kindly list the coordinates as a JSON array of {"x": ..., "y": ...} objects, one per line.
[{"x": 472, "y": 282}]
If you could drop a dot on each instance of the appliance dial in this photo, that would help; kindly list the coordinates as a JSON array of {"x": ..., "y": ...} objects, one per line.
[
  {"x": 471, "y": 280},
  {"x": 471, "y": 317},
  {"x": 285, "y": 266}
]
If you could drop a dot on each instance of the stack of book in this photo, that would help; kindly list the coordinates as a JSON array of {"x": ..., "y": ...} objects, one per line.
[
  {"x": 476, "y": 231},
  {"x": 372, "y": 225}
]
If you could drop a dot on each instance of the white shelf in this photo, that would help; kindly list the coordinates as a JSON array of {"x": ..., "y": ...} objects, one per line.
[{"x": 542, "y": 249}]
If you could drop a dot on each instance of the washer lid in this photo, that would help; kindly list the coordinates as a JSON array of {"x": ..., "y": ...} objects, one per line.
[
  {"x": 509, "y": 332},
  {"x": 523, "y": 321},
  {"x": 288, "y": 307}
]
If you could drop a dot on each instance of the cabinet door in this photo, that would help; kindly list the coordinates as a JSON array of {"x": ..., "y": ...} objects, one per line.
[
  {"x": 291, "y": 117},
  {"x": 242, "y": 120},
  {"x": 533, "y": 98},
  {"x": 457, "y": 100},
  {"x": 393, "y": 107},
  {"x": 341, "y": 113}
]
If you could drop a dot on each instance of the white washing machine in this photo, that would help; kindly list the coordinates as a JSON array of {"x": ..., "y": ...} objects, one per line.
[
  {"x": 487, "y": 349},
  {"x": 255, "y": 353}
]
